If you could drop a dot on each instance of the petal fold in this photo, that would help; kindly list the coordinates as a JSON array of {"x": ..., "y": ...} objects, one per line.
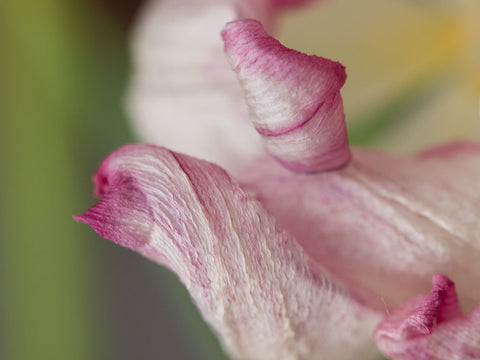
[
  {"x": 294, "y": 99},
  {"x": 431, "y": 327},
  {"x": 250, "y": 279},
  {"x": 384, "y": 225}
]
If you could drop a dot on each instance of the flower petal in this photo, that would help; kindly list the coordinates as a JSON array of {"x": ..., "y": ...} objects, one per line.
[
  {"x": 384, "y": 224},
  {"x": 183, "y": 94},
  {"x": 431, "y": 328},
  {"x": 252, "y": 282},
  {"x": 294, "y": 99}
]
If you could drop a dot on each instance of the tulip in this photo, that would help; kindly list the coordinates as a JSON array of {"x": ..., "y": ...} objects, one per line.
[{"x": 310, "y": 249}]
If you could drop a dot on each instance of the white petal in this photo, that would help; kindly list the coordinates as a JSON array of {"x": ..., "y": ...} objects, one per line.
[
  {"x": 250, "y": 279},
  {"x": 385, "y": 224}
]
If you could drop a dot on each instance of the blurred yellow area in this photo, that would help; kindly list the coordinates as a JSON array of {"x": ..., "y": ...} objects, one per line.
[{"x": 395, "y": 50}]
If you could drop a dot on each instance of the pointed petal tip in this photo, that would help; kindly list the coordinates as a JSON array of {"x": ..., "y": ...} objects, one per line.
[
  {"x": 79, "y": 218},
  {"x": 294, "y": 99},
  {"x": 109, "y": 220},
  {"x": 123, "y": 203}
]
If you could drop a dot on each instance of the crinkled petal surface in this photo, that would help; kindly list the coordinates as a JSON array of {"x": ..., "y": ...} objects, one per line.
[
  {"x": 250, "y": 279},
  {"x": 384, "y": 225},
  {"x": 183, "y": 94},
  {"x": 431, "y": 328},
  {"x": 294, "y": 99}
]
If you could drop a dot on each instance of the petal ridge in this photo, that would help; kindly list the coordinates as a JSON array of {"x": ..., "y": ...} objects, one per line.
[
  {"x": 383, "y": 220},
  {"x": 250, "y": 279}
]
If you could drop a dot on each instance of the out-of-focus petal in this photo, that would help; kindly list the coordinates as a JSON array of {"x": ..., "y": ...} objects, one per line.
[
  {"x": 250, "y": 279},
  {"x": 183, "y": 94},
  {"x": 384, "y": 223},
  {"x": 431, "y": 328},
  {"x": 294, "y": 99}
]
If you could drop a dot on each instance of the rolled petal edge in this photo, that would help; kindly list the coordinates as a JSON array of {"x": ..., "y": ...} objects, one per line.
[
  {"x": 431, "y": 327},
  {"x": 294, "y": 99},
  {"x": 250, "y": 279}
]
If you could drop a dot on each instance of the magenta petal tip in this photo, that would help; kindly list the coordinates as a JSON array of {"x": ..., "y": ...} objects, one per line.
[
  {"x": 294, "y": 99},
  {"x": 431, "y": 327}
]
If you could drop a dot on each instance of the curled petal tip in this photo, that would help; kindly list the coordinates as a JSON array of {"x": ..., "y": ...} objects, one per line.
[
  {"x": 294, "y": 99},
  {"x": 123, "y": 204},
  {"x": 431, "y": 327},
  {"x": 443, "y": 297}
]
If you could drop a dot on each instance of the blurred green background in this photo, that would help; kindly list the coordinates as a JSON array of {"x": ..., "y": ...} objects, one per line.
[{"x": 66, "y": 294}]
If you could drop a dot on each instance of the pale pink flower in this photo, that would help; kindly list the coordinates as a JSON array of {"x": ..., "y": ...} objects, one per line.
[{"x": 306, "y": 250}]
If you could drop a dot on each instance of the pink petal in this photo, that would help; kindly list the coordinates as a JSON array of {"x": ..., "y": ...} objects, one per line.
[
  {"x": 384, "y": 224},
  {"x": 183, "y": 94},
  {"x": 294, "y": 99},
  {"x": 250, "y": 279},
  {"x": 431, "y": 328}
]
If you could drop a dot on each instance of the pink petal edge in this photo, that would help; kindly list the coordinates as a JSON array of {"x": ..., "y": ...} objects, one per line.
[
  {"x": 431, "y": 327},
  {"x": 294, "y": 99},
  {"x": 250, "y": 279}
]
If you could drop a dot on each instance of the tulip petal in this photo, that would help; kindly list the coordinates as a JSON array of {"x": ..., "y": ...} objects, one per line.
[
  {"x": 250, "y": 279},
  {"x": 294, "y": 99},
  {"x": 183, "y": 94},
  {"x": 431, "y": 328},
  {"x": 384, "y": 224}
]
